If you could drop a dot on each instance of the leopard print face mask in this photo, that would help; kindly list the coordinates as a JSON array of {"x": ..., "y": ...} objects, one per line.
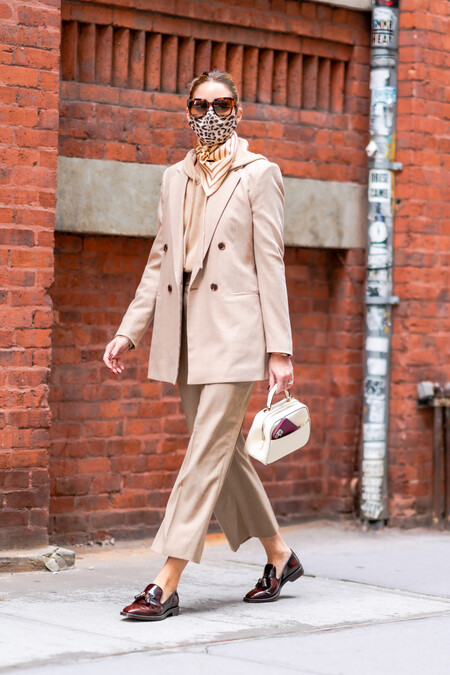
[{"x": 212, "y": 129}]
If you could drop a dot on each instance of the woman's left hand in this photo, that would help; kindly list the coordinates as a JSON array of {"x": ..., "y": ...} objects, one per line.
[{"x": 281, "y": 372}]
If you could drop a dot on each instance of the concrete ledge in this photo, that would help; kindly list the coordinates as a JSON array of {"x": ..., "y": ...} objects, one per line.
[
  {"x": 52, "y": 558},
  {"x": 107, "y": 197},
  {"x": 325, "y": 214},
  {"x": 121, "y": 198},
  {"x": 350, "y": 4}
]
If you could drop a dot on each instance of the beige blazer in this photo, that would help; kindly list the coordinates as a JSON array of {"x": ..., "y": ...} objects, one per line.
[{"x": 237, "y": 304}]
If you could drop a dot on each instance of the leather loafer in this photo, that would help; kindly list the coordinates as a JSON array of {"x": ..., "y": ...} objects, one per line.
[
  {"x": 268, "y": 587},
  {"x": 147, "y": 605}
]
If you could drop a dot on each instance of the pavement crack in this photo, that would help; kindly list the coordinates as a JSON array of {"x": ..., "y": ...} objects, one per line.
[{"x": 389, "y": 589}]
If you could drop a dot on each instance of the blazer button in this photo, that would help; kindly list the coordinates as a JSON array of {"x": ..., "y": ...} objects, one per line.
[
  {"x": 221, "y": 245},
  {"x": 165, "y": 247},
  {"x": 214, "y": 287},
  {"x": 169, "y": 288}
]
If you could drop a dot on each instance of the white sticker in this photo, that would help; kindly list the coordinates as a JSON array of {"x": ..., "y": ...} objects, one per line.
[
  {"x": 372, "y": 494},
  {"x": 374, "y": 432},
  {"x": 377, "y": 344},
  {"x": 376, "y": 411},
  {"x": 378, "y": 232},
  {"x": 373, "y": 482},
  {"x": 382, "y": 109},
  {"x": 384, "y": 94},
  {"x": 371, "y": 509},
  {"x": 379, "y": 77},
  {"x": 373, "y": 467},
  {"x": 376, "y": 366},
  {"x": 378, "y": 283},
  {"x": 376, "y": 318},
  {"x": 379, "y": 257},
  {"x": 379, "y": 185},
  {"x": 374, "y": 450}
]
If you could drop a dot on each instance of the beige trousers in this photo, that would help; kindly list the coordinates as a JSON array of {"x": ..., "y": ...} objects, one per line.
[{"x": 216, "y": 475}]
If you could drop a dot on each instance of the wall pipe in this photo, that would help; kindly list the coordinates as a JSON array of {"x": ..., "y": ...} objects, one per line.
[{"x": 378, "y": 291}]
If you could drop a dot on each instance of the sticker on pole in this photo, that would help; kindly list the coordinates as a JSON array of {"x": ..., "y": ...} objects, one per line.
[
  {"x": 371, "y": 509},
  {"x": 380, "y": 186},
  {"x": 384, "y": 27}
]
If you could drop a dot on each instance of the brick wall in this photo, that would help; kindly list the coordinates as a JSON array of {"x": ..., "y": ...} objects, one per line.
[
  {"x": 117, "y": 442},
  {"x": 124, "y": 87},
  {"x": 304, "y": 83},
  {"x": 29, "y": 75},
  {"x": 422, "y": 243}
]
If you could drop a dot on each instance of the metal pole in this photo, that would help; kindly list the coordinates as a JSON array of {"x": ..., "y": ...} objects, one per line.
[
  {"x": 447, "y": 462},
  {"x": 379, "y": 300},
  {"x": 432, "y": 395},
  {"x": 438, "y": 466}
]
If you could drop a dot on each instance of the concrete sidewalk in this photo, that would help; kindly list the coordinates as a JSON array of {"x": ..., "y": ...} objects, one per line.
[{"x": 370, "y": 603}]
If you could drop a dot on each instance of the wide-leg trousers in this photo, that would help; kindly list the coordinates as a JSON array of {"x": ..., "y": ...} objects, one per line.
[{"x": 217, "y": 475}]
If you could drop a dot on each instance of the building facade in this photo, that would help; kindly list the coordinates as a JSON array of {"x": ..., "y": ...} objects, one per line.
[{"x": 91, "y": 111}]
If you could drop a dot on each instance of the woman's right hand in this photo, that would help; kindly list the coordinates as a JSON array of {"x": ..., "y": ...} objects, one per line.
[{"x": 118, "y": 345}]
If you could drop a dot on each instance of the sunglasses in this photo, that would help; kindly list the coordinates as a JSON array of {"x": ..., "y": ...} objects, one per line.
[{"x": 199, "y": 106}]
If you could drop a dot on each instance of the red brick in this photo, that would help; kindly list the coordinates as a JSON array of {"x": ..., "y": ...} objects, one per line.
[
  {"x": 38, "y": 520},
  {"x": 104, "y": 54},
  {"x": 34, "y": 138},
  {"x": 153, "y": 62},
  {"x": 40, "y": 58},
  {"x": 69, "y": 38},
  {"x": 18, "y": 116},
  {"x": 169, "y": 58},
  {"x": 93, "y": 465},
  {"x": 5, "y": 11},
  {"x": 62, "y": 504},
  {"x": 16, "y": 479},
  {"x": 235, "y": 55},
  {"x": 10, "y": 519},
  {"x": 74, "y": 485},
  {"x": 129, "y": 500},
  {"x": 41, "y": 17},
  {"x": 29, "y": 458},
  {"x": 24, "y": 77},
  {"x": 121, "y": 152},
  {"x": 101, "y": 121},
  {"x": 137, "y": 59},
  {"x": 265, "y": 75},
  {"x": 31, "y": 258},
  {"x": 28, "y": 418},
  {"x": 109, "y": 484},
  {"x": 36, "y": 66},
  {"x": 121, "y": 45},
  {"x": 15, "y": 236}
]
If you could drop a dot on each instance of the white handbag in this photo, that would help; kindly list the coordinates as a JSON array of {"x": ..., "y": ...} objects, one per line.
[{"x": 278, "y": 429}]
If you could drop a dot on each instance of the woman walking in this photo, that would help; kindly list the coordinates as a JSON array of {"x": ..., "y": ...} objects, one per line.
[{"x": 214, "y": 287}]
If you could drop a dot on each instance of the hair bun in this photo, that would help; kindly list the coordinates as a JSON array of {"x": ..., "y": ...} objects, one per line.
[{"x": 215, "y": 75}]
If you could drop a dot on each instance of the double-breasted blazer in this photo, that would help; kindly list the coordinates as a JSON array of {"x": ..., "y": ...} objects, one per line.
[{"x": 237, "y": 305}]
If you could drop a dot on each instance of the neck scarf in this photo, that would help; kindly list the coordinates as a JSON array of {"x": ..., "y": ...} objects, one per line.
[{"x": 214, "y": 162}]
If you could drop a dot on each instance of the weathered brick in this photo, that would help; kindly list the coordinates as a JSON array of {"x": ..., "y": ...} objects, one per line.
[
  {"x": 34, "y": 42},
  {"x": 122, "y": 424}
]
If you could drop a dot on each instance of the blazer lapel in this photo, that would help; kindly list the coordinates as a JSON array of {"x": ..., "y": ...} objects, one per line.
[
  {"x": 176, "y": 197},
  {"x": 215, "y": 207}
]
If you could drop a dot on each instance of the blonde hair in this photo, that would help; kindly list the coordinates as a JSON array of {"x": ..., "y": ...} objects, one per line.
[{"x": 215, "y": 75}]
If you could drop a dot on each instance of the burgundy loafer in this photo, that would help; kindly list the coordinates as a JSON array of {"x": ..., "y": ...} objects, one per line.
[
  {"x": 268, "y": 587},
  {"x": 147, "y": 605}
]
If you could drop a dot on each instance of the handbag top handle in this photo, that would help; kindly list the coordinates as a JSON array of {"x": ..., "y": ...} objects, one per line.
[{"x": 272, "y": 394}]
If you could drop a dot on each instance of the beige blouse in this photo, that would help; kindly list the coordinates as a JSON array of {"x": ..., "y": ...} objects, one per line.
[{"x": 194, "y": 214}]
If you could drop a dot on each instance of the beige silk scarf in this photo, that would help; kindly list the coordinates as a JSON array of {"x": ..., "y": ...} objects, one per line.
[{"x": 214, "y": 161}]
